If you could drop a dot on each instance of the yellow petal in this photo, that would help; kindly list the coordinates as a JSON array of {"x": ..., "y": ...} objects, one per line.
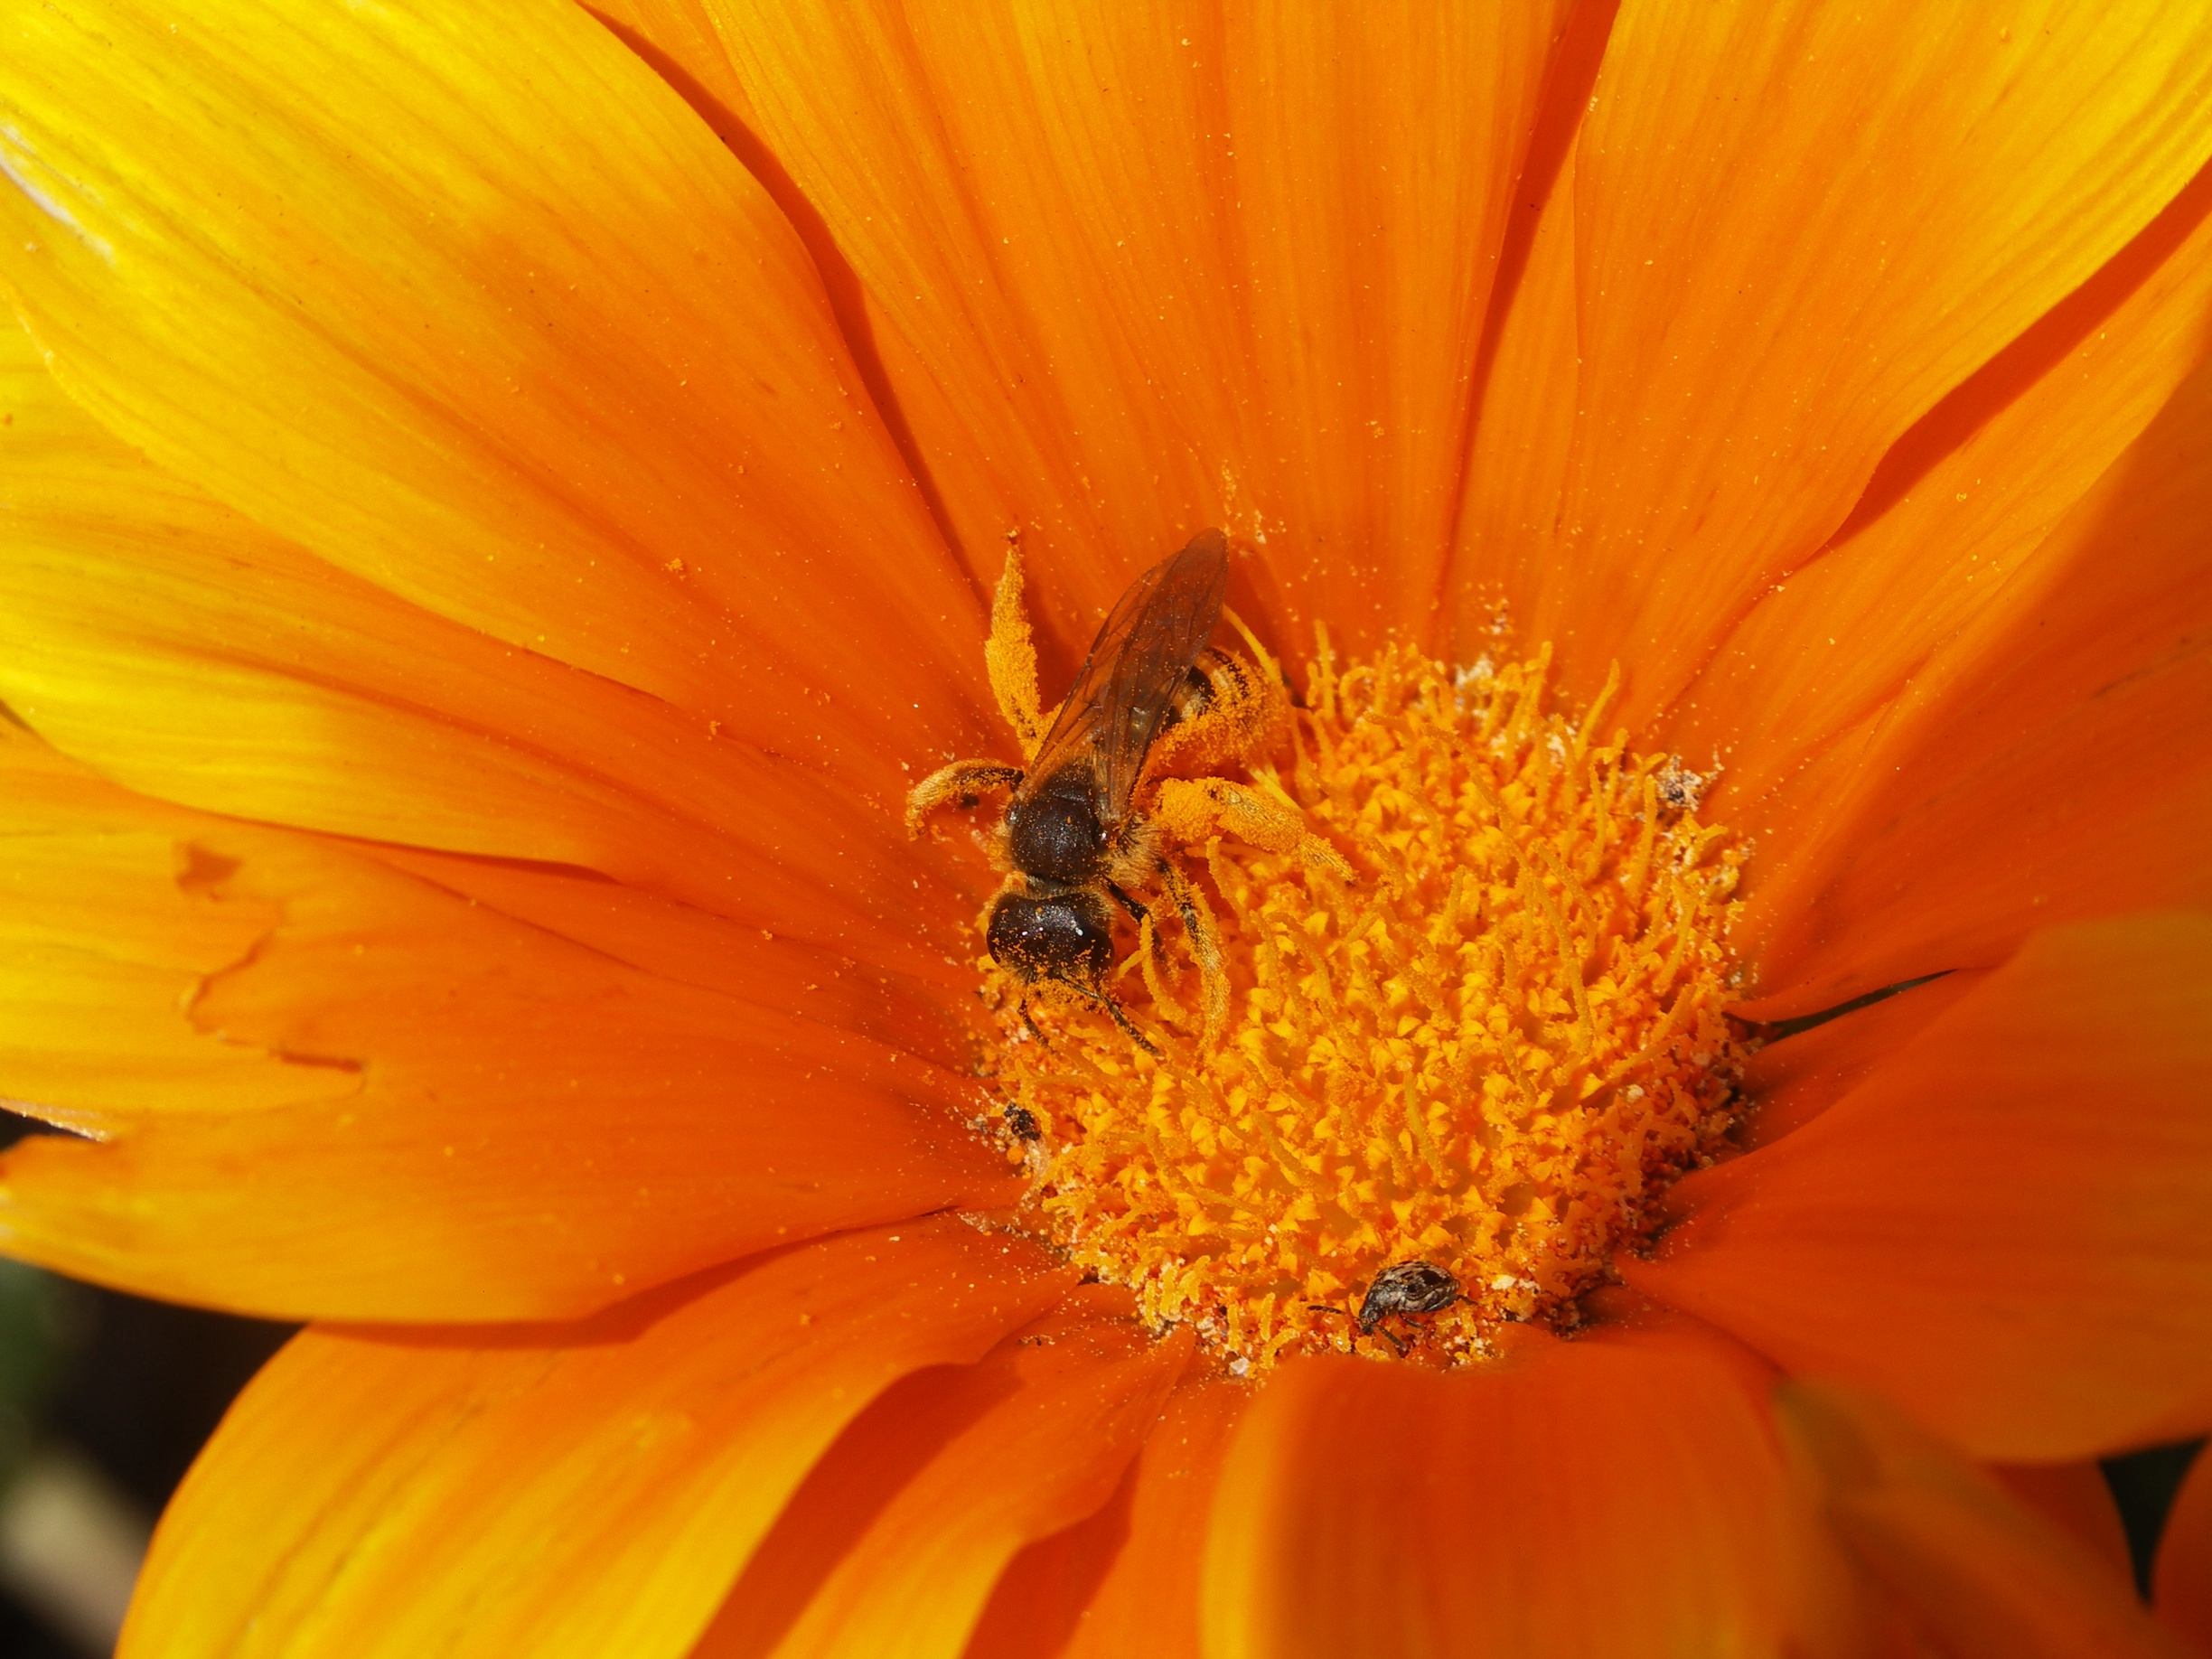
[
  {"x": 336, "y": 1089},
  {"x": 108, "y": 932},
  {"x": 1523, "y": 440},
  {"x": 464, "y": 300},
  {"x": 694, "y": 947},
  {"x": 1126, "y": 1580},
  {"x": 2181, "y": 1586},
  {"x": 1148, "y": 1599},
  {"x": 1790, "y": 1082},
  {"x": 584, "y": 1490},
  {"x": 189, "y": 654},
  {"x": 2076, "y": 1499}
]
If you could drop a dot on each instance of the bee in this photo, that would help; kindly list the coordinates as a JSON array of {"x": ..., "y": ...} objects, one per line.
[
  {"x": 1094, "y": 816},
  {"x": 1407, "y": 1291}
]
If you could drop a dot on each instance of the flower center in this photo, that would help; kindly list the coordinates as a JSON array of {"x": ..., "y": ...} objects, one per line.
[{"x": 1488, "y": 1055}]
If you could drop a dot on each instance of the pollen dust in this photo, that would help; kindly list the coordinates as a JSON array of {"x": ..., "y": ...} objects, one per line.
[{"x": 1490, "y": 1051}]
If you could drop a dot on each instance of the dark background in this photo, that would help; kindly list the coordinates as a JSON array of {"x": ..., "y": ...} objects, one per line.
[{"x": 131, "y": 1386}]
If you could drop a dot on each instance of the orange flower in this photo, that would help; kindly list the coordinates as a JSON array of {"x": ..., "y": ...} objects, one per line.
[{"x": 500, "y": 509}]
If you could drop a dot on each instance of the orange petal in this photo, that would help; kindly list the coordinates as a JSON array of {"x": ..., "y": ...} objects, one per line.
[
  {"x": 1134, "y": 269},
  {"x": 2050, "y": 763},
  {"x": 758, "y": 967},
  {"x": 2000, "y": 1228},
  {"x": 469, "y": 304},
  {"x": 112, "y": 926},
  {"x": 1524, "y": 431},
  {"x": 1953, "y": 523},
  {"x": 1791, "y": 1081},
  {"x": 1523, "y": 441},
  {"x": 1779, "y": 268},
  {"x": 1143, "y": 1597},
  {"x": 895, "y": 1542},
  {"x": 586, "y": 1489},
  {"x": 488, "y": 1121},
  {"x": 1986, "y": 1576},
  {"x": 2181, "y": 1583},
  {"x": 1602, "y": 1497},
  {"x": 2076, "y": 1499},
  {"x": 189, "y": 654},
  {"x": 1126, "y": 1580},
  {"x": 1043, "y": 1597}
]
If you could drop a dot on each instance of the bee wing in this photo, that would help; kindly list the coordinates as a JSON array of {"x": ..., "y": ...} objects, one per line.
[{"x": 1122, "y": 691}]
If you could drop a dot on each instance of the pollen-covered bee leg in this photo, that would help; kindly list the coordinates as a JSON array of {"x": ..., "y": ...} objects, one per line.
[
  {"x": 1148, "y": 956},
  {"x": 963, "y": 783},
  {"x": 1238, "y": 709},
  {"x": 1010, "y": 655},
  {"x": 1191, "y": 810},
  {"x": 1147, "y": 939},
  {"x": 1205, "y": 946}
]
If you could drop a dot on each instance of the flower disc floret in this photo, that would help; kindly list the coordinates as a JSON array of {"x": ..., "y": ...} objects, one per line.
[{"x": 1490, "y": 1051}]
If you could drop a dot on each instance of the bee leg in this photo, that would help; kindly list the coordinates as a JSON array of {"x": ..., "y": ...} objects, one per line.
[
  {"x": 1149, "y": 958},
  {"x": 1148, "y": 943},
  {"x": 1009, "y": 655},
  {"x": 1205, "y": 946},
  {"x": 1191, "y": 810},
  {"x": 1228, "y": 711},
  {"x": 963, "y": 783}
]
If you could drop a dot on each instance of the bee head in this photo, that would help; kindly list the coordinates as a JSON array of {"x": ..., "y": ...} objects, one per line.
[{"x": 1066, "y": 936}]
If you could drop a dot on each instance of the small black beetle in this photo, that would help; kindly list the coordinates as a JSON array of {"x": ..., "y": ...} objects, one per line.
[
  {"x": 1023, "y": 1122},
  {"x": 1409, "y": 1289}
]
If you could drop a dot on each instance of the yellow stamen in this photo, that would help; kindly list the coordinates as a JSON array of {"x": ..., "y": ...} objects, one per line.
[{"x": 1492, "y": 1054}]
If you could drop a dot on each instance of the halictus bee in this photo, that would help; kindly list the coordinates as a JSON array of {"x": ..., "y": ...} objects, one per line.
[{"x": 1116, "y": 779}]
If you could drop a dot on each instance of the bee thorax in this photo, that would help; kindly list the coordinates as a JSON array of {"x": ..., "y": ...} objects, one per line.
[{"x": 1057, "y": 833}]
